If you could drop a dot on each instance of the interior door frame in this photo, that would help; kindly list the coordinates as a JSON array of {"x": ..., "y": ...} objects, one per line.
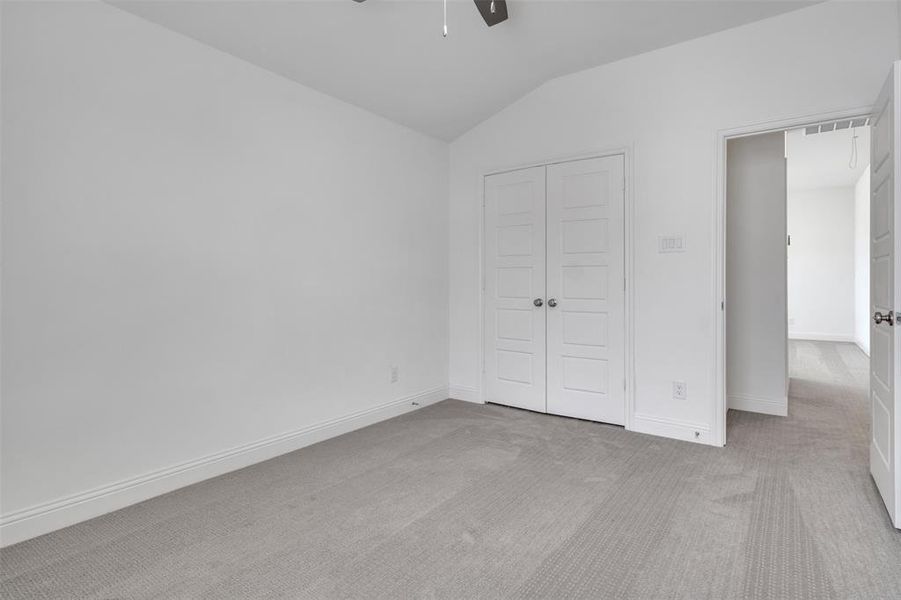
[
  {"x": 719, "y": 302},
  {"x": 627, "y": 153}
]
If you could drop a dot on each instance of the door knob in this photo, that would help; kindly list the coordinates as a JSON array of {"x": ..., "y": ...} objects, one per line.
[
  {"x": 552, "y": 302},
  {"x": 878, "y": 317},
  {"x": 538, "y": 302}
]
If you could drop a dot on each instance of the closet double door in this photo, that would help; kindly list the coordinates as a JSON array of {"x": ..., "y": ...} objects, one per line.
[{"x": 554, "y": 292}]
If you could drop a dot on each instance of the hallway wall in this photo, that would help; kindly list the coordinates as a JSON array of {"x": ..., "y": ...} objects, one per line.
[
  {"x": 862, "y": 262},
  {"x": 756, "y": 359},
  {"x": 821, "y": 275}
]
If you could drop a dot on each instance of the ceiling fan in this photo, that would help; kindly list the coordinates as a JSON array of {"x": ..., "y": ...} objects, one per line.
[{"x": 493, "y": 11}]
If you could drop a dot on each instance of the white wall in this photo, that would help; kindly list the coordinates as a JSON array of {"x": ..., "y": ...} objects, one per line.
[
  {"x": 862, "y": 262},
  {"x": 197, "y": 255},
  {"x": 821, "y": 264},
  {"x": 667, "y": 106},
  {"x": 756, "y": 336},
  {"x": 898, "y": 5}
]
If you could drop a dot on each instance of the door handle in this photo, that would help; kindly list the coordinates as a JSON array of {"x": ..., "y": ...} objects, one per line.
[
  {"x": 552, "y": 302},
  {"x": 878, "y": 317},
  {"x": 538, "y": 302}
]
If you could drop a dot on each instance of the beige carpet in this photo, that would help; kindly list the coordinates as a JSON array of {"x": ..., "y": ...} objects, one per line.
[{"x": 460, "y": 501}]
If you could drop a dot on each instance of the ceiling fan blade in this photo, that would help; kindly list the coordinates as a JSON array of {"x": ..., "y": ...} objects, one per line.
[{"x": 492, "y": 18}]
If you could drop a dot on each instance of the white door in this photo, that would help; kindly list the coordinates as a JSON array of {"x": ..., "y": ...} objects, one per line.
[
  {"x": 885, "y": 296},
  {"x": 514, "y": 289},
  {"x": 585, "y": 289}
]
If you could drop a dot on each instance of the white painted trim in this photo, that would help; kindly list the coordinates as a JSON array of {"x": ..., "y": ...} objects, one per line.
[
  {"x": 466, "y": 393},
  {"x": 859, "y": 344},
  {"x": 37, "y": 520},
  {"x": 820, "y": 337},
  {"x": 759, "y": 404},
  {"x": 627, "y": 153},
  {"x": 630, "y": 158},
  {"x": 720, "y": 404},
  {"x": 673, "y": 428}
]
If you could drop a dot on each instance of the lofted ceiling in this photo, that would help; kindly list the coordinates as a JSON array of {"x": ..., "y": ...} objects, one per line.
[
  {"x": 822, "y": 160},
  {"x": 389, "y": 57}
]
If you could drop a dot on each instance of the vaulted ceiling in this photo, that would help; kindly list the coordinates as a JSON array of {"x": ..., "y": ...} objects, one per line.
[{"x": 389, "y": 56}]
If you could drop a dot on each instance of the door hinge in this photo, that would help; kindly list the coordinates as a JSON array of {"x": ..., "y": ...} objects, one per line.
[{"x": 723, "y": 305}]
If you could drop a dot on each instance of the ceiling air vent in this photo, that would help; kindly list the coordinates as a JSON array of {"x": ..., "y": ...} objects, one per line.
[{"x": 836, "y": 125}]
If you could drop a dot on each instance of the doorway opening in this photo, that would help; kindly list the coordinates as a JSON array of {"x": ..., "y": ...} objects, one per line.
[
  {"x": 797, "y": 265},
  {"x": 828, "y": 257}
]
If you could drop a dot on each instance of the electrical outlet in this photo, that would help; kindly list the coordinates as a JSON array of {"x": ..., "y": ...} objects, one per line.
[
  {"x": 395, "y": 375},
  {"x": 680, "y": 390}
]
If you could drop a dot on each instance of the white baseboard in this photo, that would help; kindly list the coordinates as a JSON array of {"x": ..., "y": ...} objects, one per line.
[
  {"x": 37, "y": 520},
  {"x": 469, "y": 394},
  {"x": 862, "y": 348},
  {"x": 672, "y": 428},
  {"x": 820, "y": 337},
  {"x": 759, "y": 404}
]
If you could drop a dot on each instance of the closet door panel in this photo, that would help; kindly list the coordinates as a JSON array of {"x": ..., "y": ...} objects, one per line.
[
  {"x": 514, "y": 327},
  {"x": 586, "y": 300}
]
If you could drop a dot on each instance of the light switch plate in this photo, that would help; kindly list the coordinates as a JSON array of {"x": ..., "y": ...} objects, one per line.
[{"x": 670, "y": 243}]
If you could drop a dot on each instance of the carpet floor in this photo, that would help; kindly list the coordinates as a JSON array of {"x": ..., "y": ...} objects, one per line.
[{"x": 460, "y": 500}]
